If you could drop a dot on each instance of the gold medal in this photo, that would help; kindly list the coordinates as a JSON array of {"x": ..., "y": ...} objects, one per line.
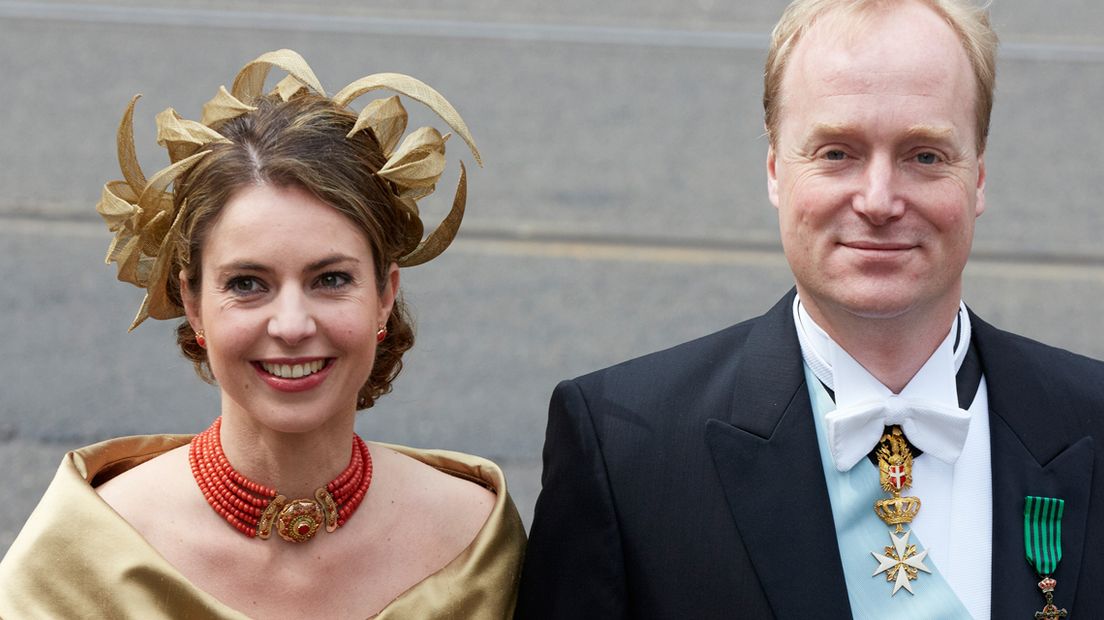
[{"x": 900, "y": 562}]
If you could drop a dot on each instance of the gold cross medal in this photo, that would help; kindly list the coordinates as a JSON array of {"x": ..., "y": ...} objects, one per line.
[{"x": 901, "y": 562}]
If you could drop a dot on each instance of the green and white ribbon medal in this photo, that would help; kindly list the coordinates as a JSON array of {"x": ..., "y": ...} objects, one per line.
[{"x": 1043, "y": 541}]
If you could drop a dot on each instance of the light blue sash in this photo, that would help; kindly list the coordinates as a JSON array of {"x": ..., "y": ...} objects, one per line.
[{"x": 859, "y": 532}]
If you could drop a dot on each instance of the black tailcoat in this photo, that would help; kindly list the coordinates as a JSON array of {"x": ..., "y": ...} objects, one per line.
[{"x": 688, "y": 483}]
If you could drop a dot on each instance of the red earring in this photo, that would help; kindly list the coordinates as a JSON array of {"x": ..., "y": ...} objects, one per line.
[
  {"x": 381, "y": 333},
  {"x": 201, "y": 338}
]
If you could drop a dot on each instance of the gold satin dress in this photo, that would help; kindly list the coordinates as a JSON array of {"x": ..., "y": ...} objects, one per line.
[{"x": 77, "y": 558}]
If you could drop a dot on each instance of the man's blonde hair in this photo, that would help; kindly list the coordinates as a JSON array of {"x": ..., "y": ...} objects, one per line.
[{"x": 969, "y": 22}]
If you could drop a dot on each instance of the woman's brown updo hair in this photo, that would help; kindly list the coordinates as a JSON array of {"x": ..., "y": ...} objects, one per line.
[{"x": 296, "y": 143}]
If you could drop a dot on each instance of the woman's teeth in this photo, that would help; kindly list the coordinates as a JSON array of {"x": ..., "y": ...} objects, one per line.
[{"x": 293, "y": 371}]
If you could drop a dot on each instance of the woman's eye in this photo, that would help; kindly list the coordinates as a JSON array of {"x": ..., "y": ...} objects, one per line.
[
  {"x": 243, "y": 285},
  {"x": 333, "y": 280},
  {"x": 835, "y": 155}
]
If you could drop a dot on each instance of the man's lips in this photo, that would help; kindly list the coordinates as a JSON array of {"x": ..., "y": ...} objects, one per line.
[{"x": 879, "y": 246}]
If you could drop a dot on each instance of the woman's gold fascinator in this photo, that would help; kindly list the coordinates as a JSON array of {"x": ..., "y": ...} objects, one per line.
[{"x": 142, "y": 214}]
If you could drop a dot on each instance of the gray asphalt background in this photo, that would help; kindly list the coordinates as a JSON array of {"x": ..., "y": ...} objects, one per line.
[{"x": 622, "y": 208}]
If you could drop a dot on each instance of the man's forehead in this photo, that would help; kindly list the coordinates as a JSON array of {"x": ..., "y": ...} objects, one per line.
[{"x": 881, "y": 56}]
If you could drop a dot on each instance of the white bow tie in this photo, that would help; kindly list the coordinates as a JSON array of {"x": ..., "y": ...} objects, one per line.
[{"x": 935, "y": 428}]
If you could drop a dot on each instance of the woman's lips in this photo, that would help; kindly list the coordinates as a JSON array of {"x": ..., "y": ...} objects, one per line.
[
  {"x": 294, "y": 375},
  {"x": 293, "y": 370}
]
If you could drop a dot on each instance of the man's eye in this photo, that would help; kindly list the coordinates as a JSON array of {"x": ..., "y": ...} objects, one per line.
[
  {"x": 835, "y": 155},
  {"x": 927, "y": 158}
]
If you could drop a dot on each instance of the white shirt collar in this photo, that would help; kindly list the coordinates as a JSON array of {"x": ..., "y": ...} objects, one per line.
[{"x": 852, "y": 383}]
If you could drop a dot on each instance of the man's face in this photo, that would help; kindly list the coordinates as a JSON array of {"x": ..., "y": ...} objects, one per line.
[{"x": 874, "y": 170}]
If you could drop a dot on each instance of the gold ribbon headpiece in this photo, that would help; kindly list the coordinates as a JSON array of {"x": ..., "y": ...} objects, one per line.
[{"x": 141, "y": 213}]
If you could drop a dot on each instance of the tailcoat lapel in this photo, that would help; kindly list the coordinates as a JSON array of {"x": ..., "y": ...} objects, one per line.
[
  {"x": 768, "y": 462},
  {"x": 1034, "y": 452}
]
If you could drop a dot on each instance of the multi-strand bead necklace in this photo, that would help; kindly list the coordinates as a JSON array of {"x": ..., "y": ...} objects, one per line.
[{"x": 254, "y": 509}]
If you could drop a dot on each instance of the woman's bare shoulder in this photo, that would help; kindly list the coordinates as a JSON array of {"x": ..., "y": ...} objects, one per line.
[
  {"x": 440, "y": 511},
  {"x": 153, "y": 494}
]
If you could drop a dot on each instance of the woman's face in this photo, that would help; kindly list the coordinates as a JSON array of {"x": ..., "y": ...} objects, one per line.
[{"x": 290, "y": 306}]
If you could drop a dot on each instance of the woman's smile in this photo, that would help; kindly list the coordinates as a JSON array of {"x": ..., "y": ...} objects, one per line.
[
  {"x": 294, "y": 377},
  {"x": 293, "y": 370}
]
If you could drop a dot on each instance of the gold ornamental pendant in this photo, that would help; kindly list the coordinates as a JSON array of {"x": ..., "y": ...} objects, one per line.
[
  {"x": 298, "y": 520},
  {"x": 900, "y": 562}
]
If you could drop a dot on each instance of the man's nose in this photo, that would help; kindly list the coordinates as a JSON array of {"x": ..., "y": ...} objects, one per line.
[
  {"x": 292, "y": 320},
  {"x": 879, "y": 198}
]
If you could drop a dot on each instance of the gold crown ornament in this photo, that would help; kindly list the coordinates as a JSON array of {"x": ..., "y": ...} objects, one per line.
[
  {"x": 895, "y": 470},
  {"x": 897, "y": 511},
  {"x": 141, "y": 211},
  {"x": 901, "y": 562}
]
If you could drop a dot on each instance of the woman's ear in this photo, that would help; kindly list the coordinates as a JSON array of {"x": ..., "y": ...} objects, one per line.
[
  {"x": 190, "y": 299},
  {"x": 389, "y": 293}
]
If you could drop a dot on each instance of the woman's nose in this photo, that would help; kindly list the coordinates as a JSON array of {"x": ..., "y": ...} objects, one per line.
[{"x": 291, "y": 320}]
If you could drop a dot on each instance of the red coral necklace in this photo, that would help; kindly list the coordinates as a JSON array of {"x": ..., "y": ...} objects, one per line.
[{"x": 254, "y": 508}]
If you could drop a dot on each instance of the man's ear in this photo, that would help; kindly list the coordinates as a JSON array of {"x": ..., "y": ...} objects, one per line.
[
  {"x": 979, "y": 206},
  {"x": 772, "y": 177}
]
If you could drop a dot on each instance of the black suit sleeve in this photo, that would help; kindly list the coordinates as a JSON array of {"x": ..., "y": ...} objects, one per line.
[{"x": 574, "y": 564}]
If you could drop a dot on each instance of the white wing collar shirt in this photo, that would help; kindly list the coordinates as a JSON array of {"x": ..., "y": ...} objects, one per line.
[{"x": 952, "y": 477}]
